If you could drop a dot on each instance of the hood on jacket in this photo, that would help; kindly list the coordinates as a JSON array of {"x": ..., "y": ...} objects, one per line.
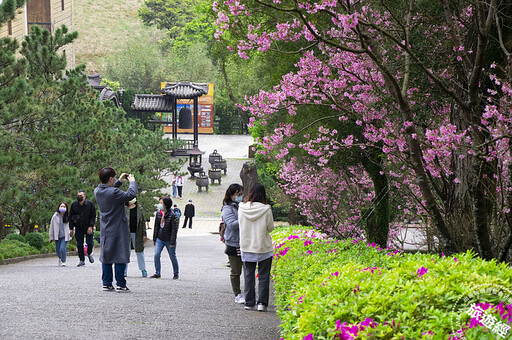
[{"x": 253, "y": 210}]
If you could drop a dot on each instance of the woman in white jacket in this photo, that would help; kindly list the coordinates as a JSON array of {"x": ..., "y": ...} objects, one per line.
[
  {"x": 60, "y": 233},
  {"x": 256, "y": 222}
]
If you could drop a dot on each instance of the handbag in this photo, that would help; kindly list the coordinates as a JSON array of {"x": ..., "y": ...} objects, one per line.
[{"x": 232, "y": 251}]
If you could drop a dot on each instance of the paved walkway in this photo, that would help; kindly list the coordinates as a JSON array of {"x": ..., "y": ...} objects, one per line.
[{"x": 43, "y": 301}]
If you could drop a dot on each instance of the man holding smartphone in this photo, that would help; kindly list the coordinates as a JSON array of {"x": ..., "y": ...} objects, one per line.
[{"x": 114, "y": 231}]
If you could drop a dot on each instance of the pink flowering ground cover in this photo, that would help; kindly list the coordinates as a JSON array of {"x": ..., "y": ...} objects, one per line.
[{"x": 332, "y": 289}]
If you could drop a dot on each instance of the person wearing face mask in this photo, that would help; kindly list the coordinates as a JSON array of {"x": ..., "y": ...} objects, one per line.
[
  {"x": 60, "y": 233},
  {"x": 114, "y": 231},
  {"x": 138, "y": 235},
  {"x": 164, "y": 235},
  {"x": 229, "y": 214},
  {"x": 82, "y": 218}
]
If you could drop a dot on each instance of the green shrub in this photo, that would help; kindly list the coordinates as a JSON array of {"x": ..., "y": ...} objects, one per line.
[
  {"x": 14, "y": 248},
  {"x": 97, "y": 237},
  {"x": 18, "y": 237},
  {"x": 323, "y": 283},
  {"x": 36, "y": 240}
]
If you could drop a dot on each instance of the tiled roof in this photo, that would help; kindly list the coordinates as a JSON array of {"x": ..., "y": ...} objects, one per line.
[
  {"x": 108, "y": 94},
  {"x": 151, "y": 102},
  {"x": 95, "y": 81},
  {"x": 185, "y": 90}
]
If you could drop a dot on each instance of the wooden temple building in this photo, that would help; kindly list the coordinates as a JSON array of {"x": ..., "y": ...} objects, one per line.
[{"x": 171, "y": 100}]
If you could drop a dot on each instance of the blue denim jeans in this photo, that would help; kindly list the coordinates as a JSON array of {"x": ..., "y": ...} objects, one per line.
[
  {"x": 159, "y": 246},
  {"x": 140, "y": 256},
  {"x": 174, "y": 191},
  {"x": 61, "y": 248},
  {"x": 106, "y": 275}
]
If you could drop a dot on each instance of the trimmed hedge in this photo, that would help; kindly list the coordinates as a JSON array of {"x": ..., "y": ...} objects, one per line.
[
  {"x": 36, "y": 240},
  {"x": 10, "y": 248},
  {"x": 350, "y": 290}
]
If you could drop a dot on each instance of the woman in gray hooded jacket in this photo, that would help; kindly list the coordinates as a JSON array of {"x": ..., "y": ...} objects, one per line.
[{"x": 233, "y": 196}]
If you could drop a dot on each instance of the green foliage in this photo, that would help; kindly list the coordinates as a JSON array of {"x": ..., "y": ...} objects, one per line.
[
  {"x": 36, "y": 240},
  {"x": 17, "y": 237},
  {"x": 112, "y": 84},
  {"x": 319, "y": 281},
  {"x": 8, "y": 9},
  {"x": 55, "y": 135},
  {"x": 14, "y": 248},
  {"x": 171, "y": 15},
  {"x": 140, "y": 72}
]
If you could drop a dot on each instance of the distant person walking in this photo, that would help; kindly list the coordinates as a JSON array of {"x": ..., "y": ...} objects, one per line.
[
  {"x": 174, "y": 187},
  {"x": 83, "y": 217},
  {"x": 190, "y": 212},
  {"x": 176, "y": 212},
  {"x": 60, "y": 233},
  {"x": 138, "y": 235},
  {"x": 233, "y": 196},
  {"x": 179, "y": 186},
  {"x": 256, "y": 222},
  {"x": 114, "y": 232},
  {"x": 164, "y": 235}
]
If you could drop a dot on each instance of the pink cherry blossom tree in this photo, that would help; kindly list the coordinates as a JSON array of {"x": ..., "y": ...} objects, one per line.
[{"x": 428, "y": 83}]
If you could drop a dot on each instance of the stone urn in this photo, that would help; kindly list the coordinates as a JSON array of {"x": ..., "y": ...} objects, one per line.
[
  {"x": 214, "y": 156},
  {"x": 215, "y": 174},
  {"x": 202, "y": 181},
  {"x": 221, "y": 164},
  {"x": 194, "y": 168}
]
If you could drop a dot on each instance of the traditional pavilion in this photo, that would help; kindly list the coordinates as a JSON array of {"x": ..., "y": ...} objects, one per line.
[{"x": 167, "y": 102}]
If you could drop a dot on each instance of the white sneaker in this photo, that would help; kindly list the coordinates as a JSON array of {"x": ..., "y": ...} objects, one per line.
[
  {"x": 60, "y": 263},
  {"x": 239, "y": 298},
  {"x": 63, "y": 264},
  {"x": 262, "y": 307}
]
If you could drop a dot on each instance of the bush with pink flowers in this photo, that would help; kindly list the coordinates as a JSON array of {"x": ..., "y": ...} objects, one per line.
[{"x": 327, "y": 288}]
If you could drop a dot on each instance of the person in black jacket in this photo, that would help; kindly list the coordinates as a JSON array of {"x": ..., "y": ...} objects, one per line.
[
  {"x": 82, "y": 218},
  {"x": 190, "y": 211},
  {"x": 164, "y": 235}
]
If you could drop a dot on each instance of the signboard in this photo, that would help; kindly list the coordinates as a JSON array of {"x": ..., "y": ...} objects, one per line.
[{"x": 205, "y": 113}]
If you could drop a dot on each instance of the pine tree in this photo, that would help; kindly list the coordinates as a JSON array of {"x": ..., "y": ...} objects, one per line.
[{"x": 63, "y": 135}]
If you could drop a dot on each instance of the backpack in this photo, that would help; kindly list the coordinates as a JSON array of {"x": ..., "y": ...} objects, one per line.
[
  {"x": 177, "y": 212},
  {"x": 222, "y": 230}
]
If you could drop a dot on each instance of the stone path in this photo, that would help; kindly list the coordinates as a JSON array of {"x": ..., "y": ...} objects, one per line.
[{"x": 42, "y": 301}]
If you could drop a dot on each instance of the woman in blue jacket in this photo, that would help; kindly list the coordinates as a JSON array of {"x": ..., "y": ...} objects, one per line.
[{"x": 233, "y": 196}]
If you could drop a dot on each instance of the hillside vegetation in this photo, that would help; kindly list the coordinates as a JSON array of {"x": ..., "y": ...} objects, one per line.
[{"x": 104, "y": 27}]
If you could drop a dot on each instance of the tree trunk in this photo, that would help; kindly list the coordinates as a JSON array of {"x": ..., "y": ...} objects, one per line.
[
  {"x": 249, "y": 176},
  {"x": 241, "y": 112},
  {"x": 2, "y": 223},
  {"x": 377, "y": 223}
]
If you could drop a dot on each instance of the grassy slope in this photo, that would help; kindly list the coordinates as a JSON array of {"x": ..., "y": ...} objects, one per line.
[{"x": 104, "y": 27}]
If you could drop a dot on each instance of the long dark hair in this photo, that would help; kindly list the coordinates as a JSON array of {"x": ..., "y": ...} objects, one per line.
[
  {"x": 257, "y": 194},
  {"x": 232, "y": 189},
  {"x": 65, "y": 217}
]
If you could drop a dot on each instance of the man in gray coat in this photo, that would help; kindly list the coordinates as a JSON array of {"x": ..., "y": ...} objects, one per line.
[{"x": 114, "y": 232}]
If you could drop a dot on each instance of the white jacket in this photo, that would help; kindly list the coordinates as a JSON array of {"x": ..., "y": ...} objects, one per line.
[
  {"x": 54, "y": 229},
  {"x": 256, "y": 222}
]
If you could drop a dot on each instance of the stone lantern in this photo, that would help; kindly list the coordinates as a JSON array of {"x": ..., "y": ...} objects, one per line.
[{"x": 195, "y": 162}]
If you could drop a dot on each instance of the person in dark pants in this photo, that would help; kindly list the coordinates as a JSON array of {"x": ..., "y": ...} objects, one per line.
[
  {"x": 255, "y": 223},
  {"x": 114, "y": 231},
  {"x": 82, "y": 217},
  {"x": 165, "y": 233},
  {"x": 190, "y": 211}
]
